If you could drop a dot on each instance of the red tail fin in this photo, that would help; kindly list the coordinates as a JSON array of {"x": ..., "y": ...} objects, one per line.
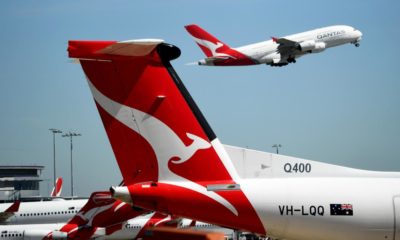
[
  {"x": 56, "y": 192},
  {"x": 209, "y": 44},
  {"x": 159, "y": 135},
  {"x": 101, "y": 211},
  {"x": 136, "y": 93},
  {"x": 13, "y": 208}
]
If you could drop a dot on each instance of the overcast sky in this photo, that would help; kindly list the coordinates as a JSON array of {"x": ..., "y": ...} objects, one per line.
[{"x": 341, "y": 106}]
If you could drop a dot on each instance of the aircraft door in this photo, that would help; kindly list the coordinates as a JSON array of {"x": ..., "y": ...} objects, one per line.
[{"x": 396, "y": 201}]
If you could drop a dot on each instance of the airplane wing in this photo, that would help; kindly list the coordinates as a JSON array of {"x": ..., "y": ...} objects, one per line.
[
  {"x": 286, "y": 47},
  {"x": 9, "y": 212}
]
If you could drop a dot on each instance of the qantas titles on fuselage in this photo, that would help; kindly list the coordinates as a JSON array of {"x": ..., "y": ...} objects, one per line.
[{"x": 275, "y": 52}]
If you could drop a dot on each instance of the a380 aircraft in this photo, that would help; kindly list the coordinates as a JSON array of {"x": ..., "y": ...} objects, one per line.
[
  {"x": 275, "y": 52},
  {"x": 172, "y": 161}
]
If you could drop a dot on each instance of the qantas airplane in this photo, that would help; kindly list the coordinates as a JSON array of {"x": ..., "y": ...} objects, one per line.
[
  {"x": 40, "y": 212},
  {"x": 172, "y": 161},
  {"x": 103, "y": 218},
  {"x": 55, "y": 211},
  {"x": 91, "y": 221},
  {"x": 275, "y": 52}
]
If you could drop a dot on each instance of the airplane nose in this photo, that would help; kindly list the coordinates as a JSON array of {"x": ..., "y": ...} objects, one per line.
[{"x": 358, "y": 35}]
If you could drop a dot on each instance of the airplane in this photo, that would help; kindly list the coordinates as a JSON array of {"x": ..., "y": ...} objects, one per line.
[
  {"x": 99, "y": 212},
  {"x": 279, "y": 51},
  {"x": 40, "y": 212},
  {"x": 57, "y": 210},
  {"x": 103, "y": 218},
  {"x": 172, "y": 161}
]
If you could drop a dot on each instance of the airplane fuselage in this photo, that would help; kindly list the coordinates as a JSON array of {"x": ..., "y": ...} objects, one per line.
[
  {"x": 294, "y": 208},
  {"x": 313, "y": 41},
  {"x": 45, "y": 212},
  {"x": 308, "y": 208}
]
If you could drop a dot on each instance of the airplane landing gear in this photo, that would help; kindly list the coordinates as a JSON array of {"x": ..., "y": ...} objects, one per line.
[
  {"x": 291, "y": 60},
  {"x": 278, "y": 64},
  {"x": 356, "y": 44}
]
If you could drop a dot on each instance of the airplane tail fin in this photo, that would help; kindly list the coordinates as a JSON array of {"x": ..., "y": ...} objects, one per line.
[
  {"x": 166, "y": 151},
  {"x": 100, "y": 212},
  {"x": 14, "y": 207},
  {"x": 137, "y": 92},
  {"x": 10, "y": 211},
  {"x": 56, "y": 192},
  {"x": 210, "y": 45}
]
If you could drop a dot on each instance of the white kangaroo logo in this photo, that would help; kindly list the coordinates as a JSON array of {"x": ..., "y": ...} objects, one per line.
[
  {"x": 165, "y": 142},
  {"x": 89, "y": 215},
  {"x": 212, "y": 47}
]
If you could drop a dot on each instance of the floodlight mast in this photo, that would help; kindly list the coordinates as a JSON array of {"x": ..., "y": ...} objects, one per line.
[
  {"x": 54, "y": 131},
  {"x": 71, "y": 135}
]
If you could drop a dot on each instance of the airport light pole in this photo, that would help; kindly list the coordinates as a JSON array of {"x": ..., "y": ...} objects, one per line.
[
  {"x": 54, "y": 153},
  {"x": 71, "y": 135},
  {"x": 277, "y": 146}
]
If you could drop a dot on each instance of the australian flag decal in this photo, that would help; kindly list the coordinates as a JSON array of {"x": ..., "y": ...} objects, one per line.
[{"x": 341, "y": 209}]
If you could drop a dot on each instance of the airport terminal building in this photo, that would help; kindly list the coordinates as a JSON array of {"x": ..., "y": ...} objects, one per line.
[{"x": 19, "y": 181}]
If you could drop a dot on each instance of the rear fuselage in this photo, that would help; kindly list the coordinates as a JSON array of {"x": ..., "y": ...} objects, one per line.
[{"x": 309, "y": 208}]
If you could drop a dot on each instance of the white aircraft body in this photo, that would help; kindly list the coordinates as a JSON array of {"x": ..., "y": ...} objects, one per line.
[
  {"x": 55, "y": 211},
  {"x": 131, "y": 229},
  {"x": 274, "y": 52},
  {"x": 172, "y": 161}
]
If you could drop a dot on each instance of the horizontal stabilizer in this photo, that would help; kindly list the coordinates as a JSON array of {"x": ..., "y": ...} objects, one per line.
[
  {"x": 96, "y": 49},
  {"x": 139, "y": 47}
]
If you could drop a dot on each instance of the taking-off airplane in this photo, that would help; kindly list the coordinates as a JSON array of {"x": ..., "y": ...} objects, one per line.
[
  {"x": 275, "y": 52},
  {"x": 172, "y": 161}
]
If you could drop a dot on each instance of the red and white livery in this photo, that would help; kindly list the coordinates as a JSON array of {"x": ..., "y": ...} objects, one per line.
[
  {"x": 172, "y": 161},
  {"x": 274, "y": 52},
  {"x": 56, "y": 192}
]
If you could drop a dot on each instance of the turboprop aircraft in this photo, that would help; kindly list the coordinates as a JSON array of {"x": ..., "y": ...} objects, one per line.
[
  {"x": 279, "y": 51},
  {"x": 172, "y": 161}
]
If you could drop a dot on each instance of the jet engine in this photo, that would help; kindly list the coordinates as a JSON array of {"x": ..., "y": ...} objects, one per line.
[
  {"x": 319, "y": 47},
  {"x": 306, "y": 46}
]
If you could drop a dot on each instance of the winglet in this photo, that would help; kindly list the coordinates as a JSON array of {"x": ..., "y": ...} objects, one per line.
[{"x": 275, "y": 39}]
